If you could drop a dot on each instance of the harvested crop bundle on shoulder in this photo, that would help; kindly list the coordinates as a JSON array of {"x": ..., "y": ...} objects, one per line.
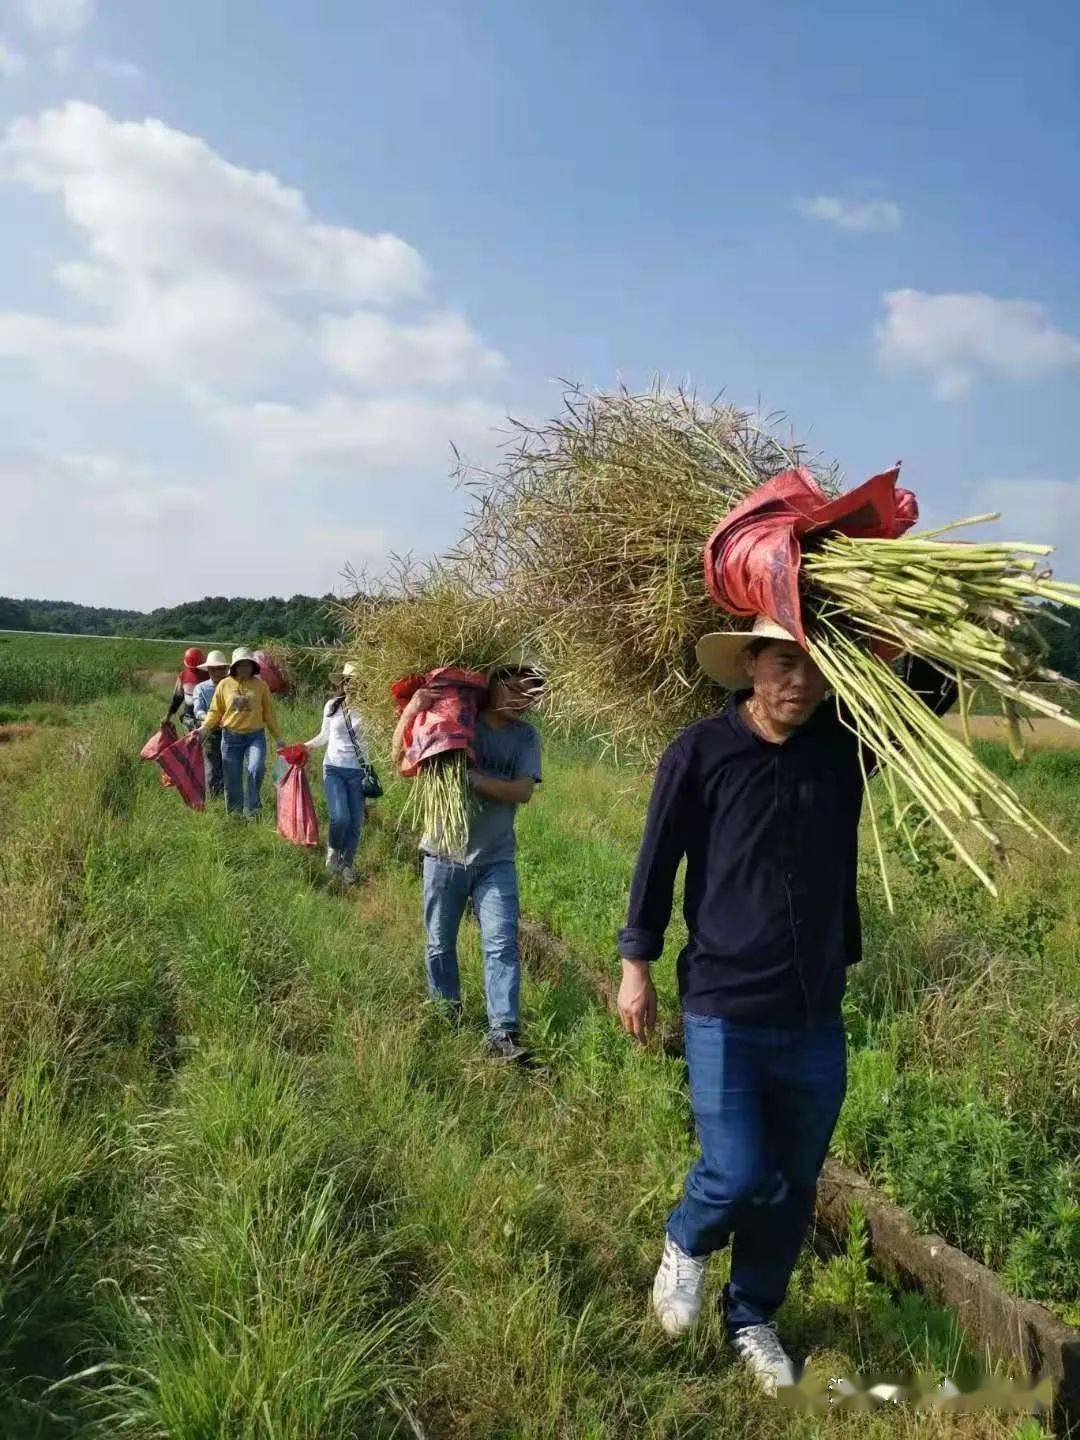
[{"x": 592, "y": 530}]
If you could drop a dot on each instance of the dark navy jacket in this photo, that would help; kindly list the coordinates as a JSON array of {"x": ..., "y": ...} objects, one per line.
[{"x": 770, "y": 836}]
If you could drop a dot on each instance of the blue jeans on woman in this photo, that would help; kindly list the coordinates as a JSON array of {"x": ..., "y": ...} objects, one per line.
[
  {"x": 493, "y": 890},
  {"x": 343, "y": 786},
  {"x": 243, "y": 762},
  {"x": 766, "y": 1100}
]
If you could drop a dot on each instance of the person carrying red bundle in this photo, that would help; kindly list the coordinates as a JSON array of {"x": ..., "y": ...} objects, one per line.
[
  {"x": 503, "y": 775},
  {"x": 762, "y": 800},
  {"x": 183, "y": 696}
]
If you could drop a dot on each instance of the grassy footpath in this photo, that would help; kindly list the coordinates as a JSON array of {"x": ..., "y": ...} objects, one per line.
[
  {"x": 964, "y": 1097},
  {"x": 251, "y": 1187}
]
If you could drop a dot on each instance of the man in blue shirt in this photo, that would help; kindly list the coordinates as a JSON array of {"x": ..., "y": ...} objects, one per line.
[
  {"x": 763, "y": 802},
  {"x": 506, "y": 772}
]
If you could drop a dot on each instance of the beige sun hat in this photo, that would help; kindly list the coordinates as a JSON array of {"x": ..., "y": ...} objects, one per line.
[
  {"x": 214, "y": 660},
  {"x": 347, "y": 671},
  {"x": 242, "y": 653},
  {"x": 720, "y": 654}
]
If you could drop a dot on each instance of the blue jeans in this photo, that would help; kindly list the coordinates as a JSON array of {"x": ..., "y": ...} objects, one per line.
[
  {"x": 765, "y": 1102},
  {"x": 344, "y": 789},
  {"x": 243, "y": 761},
  {"x": 494, "y": 893}
]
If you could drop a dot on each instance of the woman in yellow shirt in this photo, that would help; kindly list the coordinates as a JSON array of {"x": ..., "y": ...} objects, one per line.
[{"x": 243, "y": 710}]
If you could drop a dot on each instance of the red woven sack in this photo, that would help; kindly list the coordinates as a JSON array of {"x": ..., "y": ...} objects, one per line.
[
  {"x": 753, "y": 557},
  {"x": 297, "y": 821},
  {"x": 270, "y": 672},
  {"x": 181, "y": 764},
  {"x": 449, "y": 723}
]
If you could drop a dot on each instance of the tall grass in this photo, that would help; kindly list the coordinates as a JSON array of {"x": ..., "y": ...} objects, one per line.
[{"x": 253, "y": 1188}]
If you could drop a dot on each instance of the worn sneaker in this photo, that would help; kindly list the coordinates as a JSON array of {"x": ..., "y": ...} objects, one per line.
[
  {"x": 503, "y": 1045},
  {"x": 348, "y": 875},
  {"x": 678, "y": 1289},
  {"x": 759, "y": 1348},
  {"x": 333, "y": 859}
]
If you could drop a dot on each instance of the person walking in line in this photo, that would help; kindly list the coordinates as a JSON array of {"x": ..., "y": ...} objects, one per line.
[
  {"x": 763, "y": 801},
  {"x": 183, "y": 695},
  {"x": 506, "y": 772},
  {"x": 243, "y": 710},
  {"x": 343, "y": 776},
  {"x": 216, "y": 667}
]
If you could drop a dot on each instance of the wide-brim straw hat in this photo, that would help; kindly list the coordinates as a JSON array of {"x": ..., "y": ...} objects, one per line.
[
  {"x": 346, "y": 672},
  {"x": 242, "y": 653},
  {"x": 215, "y": 660},
  {"x": 720, "y": 654}
]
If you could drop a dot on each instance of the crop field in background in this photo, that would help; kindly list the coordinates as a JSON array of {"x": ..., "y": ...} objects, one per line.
[{"x": 250, "y": 1186}]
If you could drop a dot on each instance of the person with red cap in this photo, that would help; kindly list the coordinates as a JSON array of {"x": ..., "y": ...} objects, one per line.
[{"x": 183, "y": 696}]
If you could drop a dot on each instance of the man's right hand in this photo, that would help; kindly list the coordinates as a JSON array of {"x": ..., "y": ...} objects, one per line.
[{"x": 637, "y": 1000}]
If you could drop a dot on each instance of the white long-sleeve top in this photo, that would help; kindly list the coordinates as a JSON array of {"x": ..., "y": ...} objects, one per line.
[{"x": 335, "y": 736}]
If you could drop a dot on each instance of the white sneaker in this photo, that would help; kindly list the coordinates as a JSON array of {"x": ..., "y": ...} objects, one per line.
[
  {"x": 678, "y": 1289},
  {"x": 333, "y": 860},
  {"x": 759, "y": 1348}
]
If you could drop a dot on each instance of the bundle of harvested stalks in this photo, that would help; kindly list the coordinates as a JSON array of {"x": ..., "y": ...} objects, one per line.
[
  {"x": 592, "y": 528},
  {"x": 422, "y": 618},
  {"x": 972, "y": 609},
  {"x": 440, "y": 805}
]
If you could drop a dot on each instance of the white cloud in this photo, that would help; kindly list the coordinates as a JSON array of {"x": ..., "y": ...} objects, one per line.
[
  {"x": 956, "y": 337},
  {"x": 11, "y": 62},
  {"x": 1046, "y": 512},
  {"x": 152, "y": 199},
  {"x": 373, "y": 351},
  {"x": 859, "y": 215},
  {"x": 64, "y": 18},
  {"x": 344, "y": 433},
  {"x": 118, "y": 532},
  {"x": 211, "y": 294}
]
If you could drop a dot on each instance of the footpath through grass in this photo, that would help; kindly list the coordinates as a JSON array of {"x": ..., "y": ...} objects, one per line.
[
  {"x": 964, "y": 1018},
  {"x": 251, "y": 1187}
]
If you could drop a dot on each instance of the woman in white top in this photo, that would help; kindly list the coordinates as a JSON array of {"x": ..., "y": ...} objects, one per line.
[{"x": 343, "y": 783}]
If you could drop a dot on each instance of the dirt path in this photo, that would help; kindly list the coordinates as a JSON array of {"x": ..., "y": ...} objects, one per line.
[{"x": 1040, "y": 732}]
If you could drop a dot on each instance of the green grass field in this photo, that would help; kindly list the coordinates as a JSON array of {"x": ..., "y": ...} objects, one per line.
[{"x": 250, "y": 1186}]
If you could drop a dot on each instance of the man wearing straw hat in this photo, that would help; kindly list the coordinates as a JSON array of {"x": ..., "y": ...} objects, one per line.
[
  {"x": 763, "y": 801},
  {"x": 216, "y": 667}
]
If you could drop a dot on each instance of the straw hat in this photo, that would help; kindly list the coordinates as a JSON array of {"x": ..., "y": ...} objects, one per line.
[
  {"x": 347, "y": 671},
  {"x": 214, "y": 660},
  {"x": 720, "y": 654},
  {"x": 242, "y": 653}
]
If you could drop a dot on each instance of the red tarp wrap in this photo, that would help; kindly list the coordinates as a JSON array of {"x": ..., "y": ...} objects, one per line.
[
  {"x": 752, "y": 559},
  {"x": 296, "y": 818},
  {"x": 181, "y": 764},
  {"x": 270, "y": 672},
  {"x": 448, "y": 724}
]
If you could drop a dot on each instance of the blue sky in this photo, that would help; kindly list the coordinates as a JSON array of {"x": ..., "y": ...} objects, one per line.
[{"x": 215, "y": 377}]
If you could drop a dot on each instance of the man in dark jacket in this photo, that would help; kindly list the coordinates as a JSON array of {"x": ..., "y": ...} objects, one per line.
[{"x": 763, "y": 801}]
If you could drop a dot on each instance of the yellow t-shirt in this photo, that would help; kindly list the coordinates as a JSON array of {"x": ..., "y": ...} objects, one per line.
[{"x": 243, "y": 706}]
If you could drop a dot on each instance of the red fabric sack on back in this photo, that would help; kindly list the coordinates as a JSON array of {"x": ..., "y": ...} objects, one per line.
[
  {"x": 297, "y": 821},
  {"x": 270, "y": 672},
  {"x": 181, "y": 764},
  {"x": 449, "y": 723},
  {"x": 753, "y": 557}
]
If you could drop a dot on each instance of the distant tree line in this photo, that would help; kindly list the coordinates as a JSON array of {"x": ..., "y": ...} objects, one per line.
[
  {"x": 305, "y": 620},
  {"x": 301, "y": 620}
]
